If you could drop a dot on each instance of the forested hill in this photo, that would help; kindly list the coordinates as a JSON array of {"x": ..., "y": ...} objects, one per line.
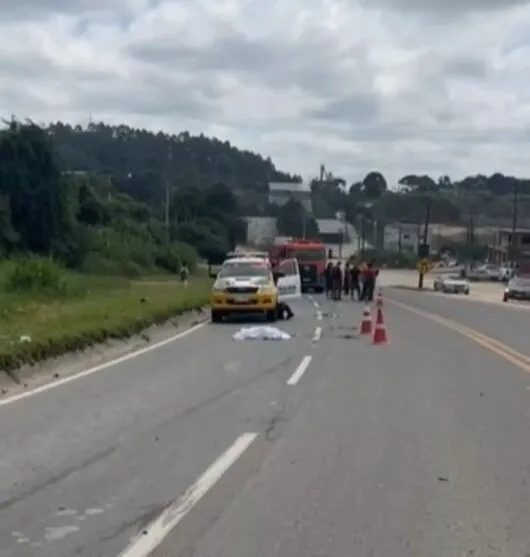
[{"x": 140, "y": 161}]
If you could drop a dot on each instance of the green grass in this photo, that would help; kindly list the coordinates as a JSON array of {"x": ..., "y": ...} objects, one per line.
[{"x": 81, "y": 310}]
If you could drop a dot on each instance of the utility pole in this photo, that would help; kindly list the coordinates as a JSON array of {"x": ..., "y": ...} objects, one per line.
[
  {"x": 421, "y": 274},
  {"x": 427, "y": 222},
  {"x": 515, "y": 201},
  {"x": 168, "y": 189},
  {"x": 363, "y": 236}
]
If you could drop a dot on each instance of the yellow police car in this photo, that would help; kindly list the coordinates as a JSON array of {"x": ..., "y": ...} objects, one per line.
[{"x": 244, "y": 286}]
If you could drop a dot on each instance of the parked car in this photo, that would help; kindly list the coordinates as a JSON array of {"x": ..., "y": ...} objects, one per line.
[
  {"x": 451, "y": 284},
  {"x": 518, "y": 288}
]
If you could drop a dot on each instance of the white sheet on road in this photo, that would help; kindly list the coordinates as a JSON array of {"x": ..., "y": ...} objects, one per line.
[{"x": 261, "y": 333}]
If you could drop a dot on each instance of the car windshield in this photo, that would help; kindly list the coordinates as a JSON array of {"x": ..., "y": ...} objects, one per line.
[
  {"x": 308, "y": 254},
  {"x": 452, "y": 277},
  {"x": 522, "y": 281},
  {"x": 245, "y": 269}
]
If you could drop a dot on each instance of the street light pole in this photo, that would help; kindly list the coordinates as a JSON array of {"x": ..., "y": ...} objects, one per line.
[
  {"x": 513, "y": 247},
  {"x": 425, "y": 237}
]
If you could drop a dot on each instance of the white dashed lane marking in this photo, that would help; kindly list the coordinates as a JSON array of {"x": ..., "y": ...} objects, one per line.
[
  {"x": 300, "y": 370},
  {"x": 155, "y": 533}
]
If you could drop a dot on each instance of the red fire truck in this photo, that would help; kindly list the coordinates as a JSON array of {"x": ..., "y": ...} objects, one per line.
[{"x": 311, "y": 256}]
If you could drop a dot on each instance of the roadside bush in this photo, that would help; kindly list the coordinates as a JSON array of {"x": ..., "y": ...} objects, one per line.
[{"x": 36, "y": 274}]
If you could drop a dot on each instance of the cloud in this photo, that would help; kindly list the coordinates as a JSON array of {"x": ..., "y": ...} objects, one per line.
[{"x": 400, "y": 86}]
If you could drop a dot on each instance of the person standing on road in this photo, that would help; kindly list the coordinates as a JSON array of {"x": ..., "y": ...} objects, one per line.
[
  {"x": 369, "y": 283},
  {"x": 328, "y": 278},
  {"x": 347, "y": 279},
  {"x": 337, "y": 281},
  {"x": 355, "y": 284}
]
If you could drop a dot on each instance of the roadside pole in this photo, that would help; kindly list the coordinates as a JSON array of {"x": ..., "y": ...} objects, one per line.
[{"x": 423, "y": 269}]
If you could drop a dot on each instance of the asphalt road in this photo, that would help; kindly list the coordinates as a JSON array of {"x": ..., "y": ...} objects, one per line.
[{"x": 323, "y": 445}]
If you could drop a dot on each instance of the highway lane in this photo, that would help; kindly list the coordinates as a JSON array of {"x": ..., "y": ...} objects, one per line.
[
  {"x": 421, "y": 447},
  {"x": 85, "y": 465},
  {"x": 509, "y": 323}
]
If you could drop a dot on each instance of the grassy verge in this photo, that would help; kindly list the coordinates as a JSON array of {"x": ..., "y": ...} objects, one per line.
[{"x": 79, "y": 311}]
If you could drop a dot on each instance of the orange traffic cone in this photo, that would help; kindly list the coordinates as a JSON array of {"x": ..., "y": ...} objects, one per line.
[
  {"x": 380, "y": 336},
  {"x": 366, "y": 323}
]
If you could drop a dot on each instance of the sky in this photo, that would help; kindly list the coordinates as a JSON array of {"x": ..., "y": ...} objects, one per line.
[{"x": 399, "y": 86}]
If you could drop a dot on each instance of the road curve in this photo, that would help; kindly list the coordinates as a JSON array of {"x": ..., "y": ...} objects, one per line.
[
  {"x": 507, "y": 322},
  {"x": 321, "y": 445}
]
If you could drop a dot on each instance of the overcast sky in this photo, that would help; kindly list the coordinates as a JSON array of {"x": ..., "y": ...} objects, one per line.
[{"x": 401, "y": 86}]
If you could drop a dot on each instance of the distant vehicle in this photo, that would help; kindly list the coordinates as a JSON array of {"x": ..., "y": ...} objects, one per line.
[
  {"x": 484, "y": 272},
  {"x": 311, "y": 256},
  {"x": 506, "y": 272},
  {"x": 451, "y": 284},
  {"x": 256, "y": 254},
  {"x": 518, "y": 288}
]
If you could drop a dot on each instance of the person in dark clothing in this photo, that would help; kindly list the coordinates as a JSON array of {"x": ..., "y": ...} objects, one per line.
[
  {"x": 346, "y": 279},
  {"x": 367, "y": 293},
  {"x": 337, "y": 281},
  {"x": 328, "y": 278},
  {"x": 355, "y": 282}
]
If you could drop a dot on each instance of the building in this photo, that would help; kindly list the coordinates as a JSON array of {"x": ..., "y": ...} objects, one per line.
[
  {"x": 335, "y": 231},
  {"x": 500, "y": 251},
  {"x": 261, "y": 230},
  {"x": 404, "y": 237},
  {"x": 281, "y": 192}
]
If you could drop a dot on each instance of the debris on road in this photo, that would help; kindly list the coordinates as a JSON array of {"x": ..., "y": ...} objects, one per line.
[{"x": 261, "y": 333}]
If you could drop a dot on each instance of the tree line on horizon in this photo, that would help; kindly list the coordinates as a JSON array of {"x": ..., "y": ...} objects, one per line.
[{"x": 102, "y": 195}]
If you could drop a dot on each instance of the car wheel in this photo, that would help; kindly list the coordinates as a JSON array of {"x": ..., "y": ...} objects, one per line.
[
  {"x": 436, "y": 287},
  {"x": 505, "y": 298},
  {"x": 466, "y": 292},
  {"x": 216, "y": 316}
]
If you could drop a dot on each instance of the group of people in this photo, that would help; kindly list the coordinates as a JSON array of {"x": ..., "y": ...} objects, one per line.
[{"x": 352, "y": 279}]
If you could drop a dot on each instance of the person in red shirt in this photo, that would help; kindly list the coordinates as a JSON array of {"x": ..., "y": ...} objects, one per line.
[{"x": 369, "y": 278}]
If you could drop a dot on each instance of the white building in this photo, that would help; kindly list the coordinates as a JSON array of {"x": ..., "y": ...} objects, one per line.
[
  {"x": 281, "y": 192},
  {"x": 404, "y": 237}
]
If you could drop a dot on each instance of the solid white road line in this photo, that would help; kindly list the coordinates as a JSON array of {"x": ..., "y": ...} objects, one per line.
[
  {"x": 101, "y": 367},
  {"x": 317, "y": 334},
  {"x": 300, "y": 370},
  {"x": 158, "y": 530}
]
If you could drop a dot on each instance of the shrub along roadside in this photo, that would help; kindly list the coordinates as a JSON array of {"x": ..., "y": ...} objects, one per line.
[{"x": 34, "y": 327}]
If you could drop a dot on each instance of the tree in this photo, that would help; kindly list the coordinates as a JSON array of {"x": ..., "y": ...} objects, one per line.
[
  {"x": 294, "y": 221},
  {"x": 374, "y": 185},
  {"x": 32, "y": 185}
]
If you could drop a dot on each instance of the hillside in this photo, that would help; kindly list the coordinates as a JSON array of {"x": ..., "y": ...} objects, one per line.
[
  {"x": 142, "y": 162},
  {"x": 96, "y": 198}
]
